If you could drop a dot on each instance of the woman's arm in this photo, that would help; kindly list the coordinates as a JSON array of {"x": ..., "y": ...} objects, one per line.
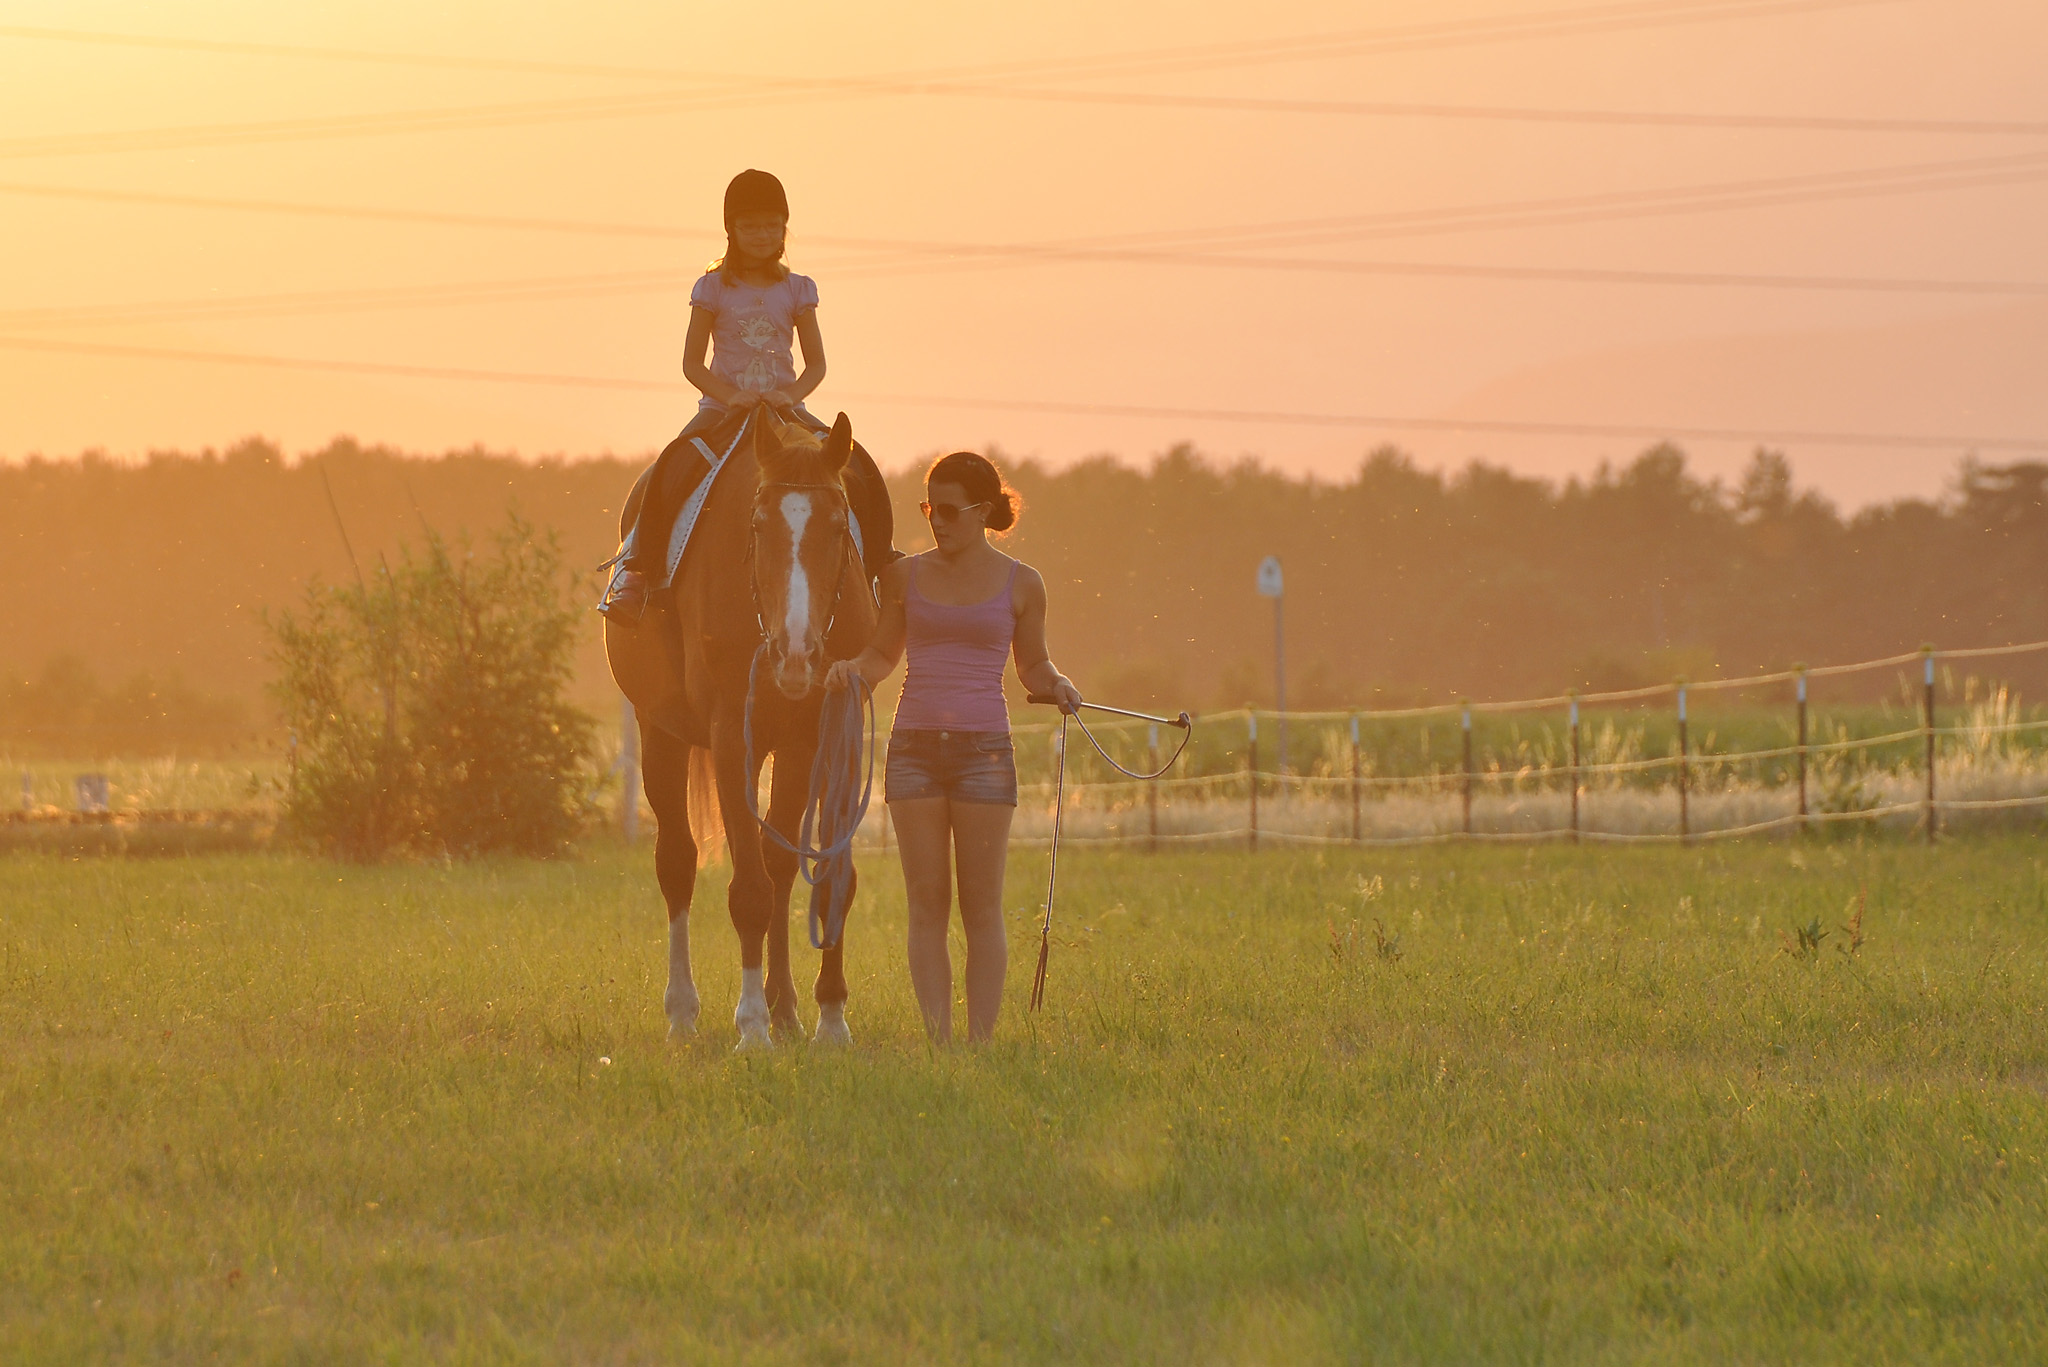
[
  {"x": 1035, "y": 669},
  {"x": 885, "y": 647},
  {"x": 696, "y": 346}
]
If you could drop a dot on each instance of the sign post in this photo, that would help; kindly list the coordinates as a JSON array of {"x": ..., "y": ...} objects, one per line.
[{"x": 1272, "y": 586}]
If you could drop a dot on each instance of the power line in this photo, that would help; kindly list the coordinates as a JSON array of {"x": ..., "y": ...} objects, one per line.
[
  {"x": 669, "y": 281},
  {"x": 737, "y": 91},
  {"x": 1261, "y": 417},
  {"x": 1713, "y": 196},
  {"x": 1343, "y": 42}
]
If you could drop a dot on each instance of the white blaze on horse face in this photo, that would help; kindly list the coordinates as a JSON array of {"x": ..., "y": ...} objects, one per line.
[{"x": 796, "y": 512}]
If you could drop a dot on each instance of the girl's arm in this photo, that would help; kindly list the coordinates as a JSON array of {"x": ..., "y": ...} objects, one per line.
[
  {"x": 1035, "y": 669},
  {"x": 885, "y": 647},
  {"x": 696, "y": 346},
  {"x": 808, "y": 338}
]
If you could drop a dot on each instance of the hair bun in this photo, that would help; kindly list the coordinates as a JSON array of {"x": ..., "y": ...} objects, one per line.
[{"x": 978, "y": 475}]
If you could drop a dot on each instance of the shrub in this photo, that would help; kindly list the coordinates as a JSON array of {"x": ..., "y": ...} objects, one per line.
[{"x": 428, "y": 704}]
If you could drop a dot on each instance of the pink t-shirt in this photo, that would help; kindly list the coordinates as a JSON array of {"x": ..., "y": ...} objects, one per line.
[{"x": 753, "y": 329}]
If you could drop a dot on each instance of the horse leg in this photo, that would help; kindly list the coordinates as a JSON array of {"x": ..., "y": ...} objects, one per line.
[
  {"x": 666, "y": 767},
  {"x": 788, "y": 790},
  {"x": 747, "y": 899},
  {"x": 830, "y": 989}
]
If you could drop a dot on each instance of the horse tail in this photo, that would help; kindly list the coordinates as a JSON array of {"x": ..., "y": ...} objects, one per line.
[{"x": 706, "y": 821}]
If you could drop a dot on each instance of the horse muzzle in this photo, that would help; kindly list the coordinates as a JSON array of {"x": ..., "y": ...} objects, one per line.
[{"x": 798, "y": 673}]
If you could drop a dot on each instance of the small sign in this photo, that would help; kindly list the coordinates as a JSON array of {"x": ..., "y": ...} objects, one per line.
[{"x": 1269, "y": 577}]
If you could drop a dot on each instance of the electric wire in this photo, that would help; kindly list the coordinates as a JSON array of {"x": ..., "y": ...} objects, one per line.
[
  {"x": 1254, "y": 417},
  {"x": 1206, "y": 56}
]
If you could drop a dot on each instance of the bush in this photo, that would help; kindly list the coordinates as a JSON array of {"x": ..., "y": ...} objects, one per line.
[{"x": 428, "y": 704}]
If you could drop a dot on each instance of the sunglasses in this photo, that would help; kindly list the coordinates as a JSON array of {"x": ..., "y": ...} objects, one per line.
[{"x": 946, "y": 512}]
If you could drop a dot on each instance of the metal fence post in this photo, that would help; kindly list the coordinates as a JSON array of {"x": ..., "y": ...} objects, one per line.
[
  {"x": 1575, "y": 767},
  {"x": 1684, "y": 814},
  {"x": 1152, "y": 790},
  {"x": 1803, "y": 823},
  {"x": 1927, "y": 721},
  {"x": 1357, "y": 781},
  {"x": 1251, "y": 721},
  {"x": 629, "y": 770},
  {"x": 1468, "y": 768}
]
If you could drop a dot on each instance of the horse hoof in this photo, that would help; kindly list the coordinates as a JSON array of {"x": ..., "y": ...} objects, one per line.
[
  {"x": 754, "y": 1038},
  {"x": 832, "y": 1031},
  {"x": 681, "y": 1031}
]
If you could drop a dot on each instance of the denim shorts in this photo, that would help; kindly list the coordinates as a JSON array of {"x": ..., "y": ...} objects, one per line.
[{"x": 966, "y": 766}]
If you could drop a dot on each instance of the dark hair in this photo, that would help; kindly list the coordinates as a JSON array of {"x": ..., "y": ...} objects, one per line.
[
  {"x": 728, "y": 269},
  {"x": 983, "y": 482}
]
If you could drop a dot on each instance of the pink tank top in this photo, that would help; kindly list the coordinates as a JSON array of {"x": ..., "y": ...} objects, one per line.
[{"x": 954, "y": 677}]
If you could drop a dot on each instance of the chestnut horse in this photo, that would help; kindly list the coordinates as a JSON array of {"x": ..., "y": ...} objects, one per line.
[{"x": 772, "y": 559}]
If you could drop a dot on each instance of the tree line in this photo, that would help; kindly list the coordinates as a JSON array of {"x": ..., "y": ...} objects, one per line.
[{"x": 1403, "y": 584}]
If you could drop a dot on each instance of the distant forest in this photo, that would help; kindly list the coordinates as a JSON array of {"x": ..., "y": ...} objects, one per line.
[{"x": 145, "y": 583}]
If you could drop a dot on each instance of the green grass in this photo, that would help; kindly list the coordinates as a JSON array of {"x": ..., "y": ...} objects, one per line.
[{"x": 260, "y": 1109}]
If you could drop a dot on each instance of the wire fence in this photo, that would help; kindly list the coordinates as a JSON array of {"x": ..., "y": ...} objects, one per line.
[{"x": 1543, "y": 769}]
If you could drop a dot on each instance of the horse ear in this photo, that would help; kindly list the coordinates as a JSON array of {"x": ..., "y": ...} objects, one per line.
[{"x": 839, "y": 446}]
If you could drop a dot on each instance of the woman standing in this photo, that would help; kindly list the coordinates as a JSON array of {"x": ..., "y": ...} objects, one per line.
[{"x": 951, "y": 780}]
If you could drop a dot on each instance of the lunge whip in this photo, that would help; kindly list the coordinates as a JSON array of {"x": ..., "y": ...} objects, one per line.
[{"x": 1059, "y": 802}]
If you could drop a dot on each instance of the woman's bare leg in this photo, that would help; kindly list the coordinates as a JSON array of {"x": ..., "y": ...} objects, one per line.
[
  {"x": 924, "y": 843},
  {"x": 981, "y": 841}
]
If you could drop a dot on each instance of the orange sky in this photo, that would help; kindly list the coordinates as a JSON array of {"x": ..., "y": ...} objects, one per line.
[{"x": 972, "y": 168}]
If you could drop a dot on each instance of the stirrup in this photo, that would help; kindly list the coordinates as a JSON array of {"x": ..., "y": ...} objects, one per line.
[{"x": 625, "y": 598}]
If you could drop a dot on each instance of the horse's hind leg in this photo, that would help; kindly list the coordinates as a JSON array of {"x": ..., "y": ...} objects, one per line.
[{"x": 666, "y": 763}]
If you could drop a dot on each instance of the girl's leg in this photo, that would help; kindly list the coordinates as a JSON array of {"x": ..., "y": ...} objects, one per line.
[
  {"x": 981, "y": 842},
  {"x": 923, "y": 842}
]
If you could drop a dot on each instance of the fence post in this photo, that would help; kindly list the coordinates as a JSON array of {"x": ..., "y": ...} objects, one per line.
[
  {"x": 1927, "y": 719},
  {"x": 1684, "y": 814},
  {"x": 1152, "y": 790},
  {"x": 1357, "y": 831},
  {"x": 1803, "y": 823},
  {"x": 1575, "y": 766},
  {"x": 1468, "y": 767},
  {"x": 1251, "y": 722},
  {"x": 629, "y": 770}
]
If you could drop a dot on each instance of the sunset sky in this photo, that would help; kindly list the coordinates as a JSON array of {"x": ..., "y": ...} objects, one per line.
[{"x": 1242, "y": 222}]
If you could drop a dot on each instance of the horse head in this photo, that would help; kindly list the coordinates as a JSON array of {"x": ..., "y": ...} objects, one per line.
[{"x": 802, "y": 548}]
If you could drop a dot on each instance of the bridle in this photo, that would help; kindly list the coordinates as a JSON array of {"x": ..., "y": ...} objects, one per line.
[{"x": 753, "y": 538}]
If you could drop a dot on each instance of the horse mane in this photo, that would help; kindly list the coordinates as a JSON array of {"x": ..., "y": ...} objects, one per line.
[{"x": 800, "y": 460}]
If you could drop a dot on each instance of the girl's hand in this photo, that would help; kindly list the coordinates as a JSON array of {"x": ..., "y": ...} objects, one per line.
[
  {"x": 840, "y": 675},
  {"x": 1068, "y": 695},
  {"x": 777, "y": 399},
  {"x": 743, "y": 399}
]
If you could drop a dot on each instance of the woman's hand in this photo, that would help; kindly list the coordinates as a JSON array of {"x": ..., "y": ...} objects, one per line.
[
  {"x": 841, "y": 675},
  {"x": 744, "y": 398},
  {"x": 1069, "y": 697},
  {"x": 775, "y": 398}
]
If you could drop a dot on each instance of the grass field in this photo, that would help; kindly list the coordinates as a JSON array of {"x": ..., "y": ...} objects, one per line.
[{"x": 261, "y": 1109}]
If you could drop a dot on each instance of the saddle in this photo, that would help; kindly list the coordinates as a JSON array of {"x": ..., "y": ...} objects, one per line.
[{"x": 665, "y": 501}]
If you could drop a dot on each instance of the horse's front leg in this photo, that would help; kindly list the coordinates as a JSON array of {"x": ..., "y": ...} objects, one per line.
[
  {"x": 789, "y": 789},
  {"x": 748, "y": 899}
]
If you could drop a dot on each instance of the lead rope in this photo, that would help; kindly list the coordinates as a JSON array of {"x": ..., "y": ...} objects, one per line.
[
  {"x": 832, "y": 812},
  {"x": 1052, "y": 877},
  {"x": 1059, "y": 806}
]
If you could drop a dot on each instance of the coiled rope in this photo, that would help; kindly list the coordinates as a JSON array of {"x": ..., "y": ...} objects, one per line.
[{"x": 834, "y": 806}]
